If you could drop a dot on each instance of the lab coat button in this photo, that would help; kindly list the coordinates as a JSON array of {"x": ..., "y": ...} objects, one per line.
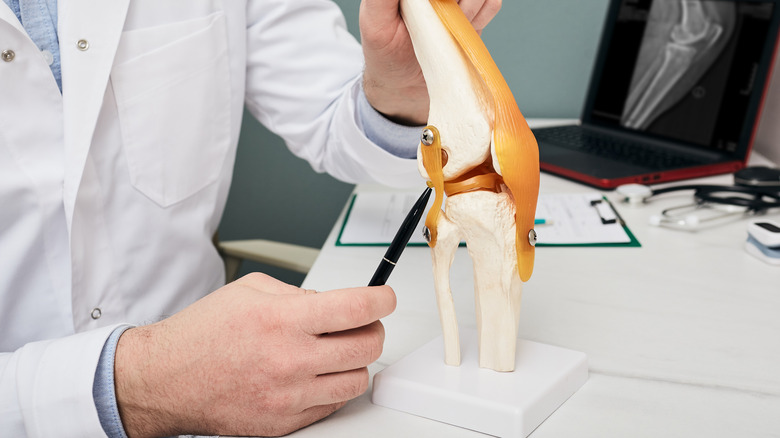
[
  {"x": 82, "y": 45},
  {"x": 96, "y": 313},
  {"x": 48, "y": 57},
  {"x": 8, "y": 55}
]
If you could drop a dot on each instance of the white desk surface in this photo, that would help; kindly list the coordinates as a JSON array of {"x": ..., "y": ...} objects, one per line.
[{"x": 682, "y": 334}]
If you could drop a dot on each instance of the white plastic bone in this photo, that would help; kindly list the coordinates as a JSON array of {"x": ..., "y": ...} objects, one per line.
[
  {"x": 458, "y": 106},
  {"x": 462, "y": 110},
  {"x": 485, "y": 221}
]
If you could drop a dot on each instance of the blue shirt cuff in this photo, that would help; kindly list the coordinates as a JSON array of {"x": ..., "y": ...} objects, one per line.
[
  {"x": 399, "y": 140},
  {"x": 103, "y": 388}
]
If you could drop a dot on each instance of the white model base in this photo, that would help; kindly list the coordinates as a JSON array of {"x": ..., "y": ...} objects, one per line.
[{"x": 502, "y": 404}]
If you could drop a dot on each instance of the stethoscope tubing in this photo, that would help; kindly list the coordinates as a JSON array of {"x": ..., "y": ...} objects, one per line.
[{"x": 704, "y": 193}]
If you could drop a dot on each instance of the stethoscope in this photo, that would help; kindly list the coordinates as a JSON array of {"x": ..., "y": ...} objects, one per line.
[{"x": 756, "y": 190}]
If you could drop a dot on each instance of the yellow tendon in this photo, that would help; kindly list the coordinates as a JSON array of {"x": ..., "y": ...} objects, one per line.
[
  {"x": 515, "y": 145},
  {"x": 431, "y": 155}
]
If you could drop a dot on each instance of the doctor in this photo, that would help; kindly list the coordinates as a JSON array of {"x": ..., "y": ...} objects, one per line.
[{"x": 119, "y": 122}]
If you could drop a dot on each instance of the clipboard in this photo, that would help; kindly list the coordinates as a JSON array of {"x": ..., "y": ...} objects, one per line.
[
  {"x": 582, "y": 219},
  {"x": 572, "y": 219}
]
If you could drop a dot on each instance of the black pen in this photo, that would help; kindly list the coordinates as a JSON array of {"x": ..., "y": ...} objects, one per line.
[{"x": 400, "y": 240}]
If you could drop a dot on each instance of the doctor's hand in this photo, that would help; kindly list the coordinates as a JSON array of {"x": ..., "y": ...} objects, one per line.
[
  {"x": 257, "y": 357},
  {"x": 392, "y": 79}
]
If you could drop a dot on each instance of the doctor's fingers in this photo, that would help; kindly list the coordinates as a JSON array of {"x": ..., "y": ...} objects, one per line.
[
  {"x": 315, "y": 413},
  {"x": 267, "y": 284},
  {"x": 330, "y": 389},
  {"x": 342, "y": 309},
  {"x": 384, "y": 11},
  {"x": 284, "y": 425},
  {"x": 480, "y": 12},
  {"x": 347, "y": 350}
]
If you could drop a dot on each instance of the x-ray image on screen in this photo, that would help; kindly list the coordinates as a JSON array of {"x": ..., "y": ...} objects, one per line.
[
  {"x": 682, "y": 69},
  {"x": 681, "y": 41}
]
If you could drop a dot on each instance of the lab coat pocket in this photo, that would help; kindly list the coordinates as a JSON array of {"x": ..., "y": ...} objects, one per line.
[{"x": 172, "y": 88}]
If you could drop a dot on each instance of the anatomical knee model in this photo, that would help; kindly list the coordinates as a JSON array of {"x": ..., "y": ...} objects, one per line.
[{"x": 478, "y": 149}]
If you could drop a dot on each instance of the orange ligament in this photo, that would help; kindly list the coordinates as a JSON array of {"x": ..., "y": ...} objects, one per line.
[
  {"x": 431, "y": 155},
  {"x": 515, "y": 145}
]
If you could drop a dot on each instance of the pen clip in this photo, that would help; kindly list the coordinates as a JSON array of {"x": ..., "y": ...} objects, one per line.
[{"x": 605, "y": 211}]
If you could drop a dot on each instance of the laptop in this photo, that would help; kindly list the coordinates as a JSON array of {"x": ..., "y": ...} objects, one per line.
[{"x": 676, "y": 93}]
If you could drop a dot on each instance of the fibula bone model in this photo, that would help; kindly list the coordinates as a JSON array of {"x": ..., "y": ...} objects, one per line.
[{"x": 478, "y": 150}]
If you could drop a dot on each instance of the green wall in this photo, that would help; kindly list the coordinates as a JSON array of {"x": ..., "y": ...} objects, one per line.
[{"x": 545, "y": 49}]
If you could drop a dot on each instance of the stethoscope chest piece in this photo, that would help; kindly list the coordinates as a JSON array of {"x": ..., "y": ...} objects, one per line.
[{"x": 634, "y": 194}]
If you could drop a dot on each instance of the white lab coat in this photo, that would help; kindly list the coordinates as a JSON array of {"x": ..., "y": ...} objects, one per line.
[{"x": 110, "y": 193}]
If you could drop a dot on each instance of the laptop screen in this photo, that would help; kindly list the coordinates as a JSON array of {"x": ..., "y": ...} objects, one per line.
[{"x": 686, "y": 70}]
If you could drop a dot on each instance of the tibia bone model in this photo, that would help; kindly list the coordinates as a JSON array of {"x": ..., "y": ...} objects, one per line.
[
  {"x": 478, "y": 149},
  {"x": 689, "y": 41}
]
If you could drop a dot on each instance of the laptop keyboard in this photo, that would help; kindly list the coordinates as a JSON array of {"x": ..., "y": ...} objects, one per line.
[{"x": 574, "y": 137}]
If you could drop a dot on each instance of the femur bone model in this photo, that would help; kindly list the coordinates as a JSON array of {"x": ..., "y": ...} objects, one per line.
[{"x": 478, "y": 149}]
